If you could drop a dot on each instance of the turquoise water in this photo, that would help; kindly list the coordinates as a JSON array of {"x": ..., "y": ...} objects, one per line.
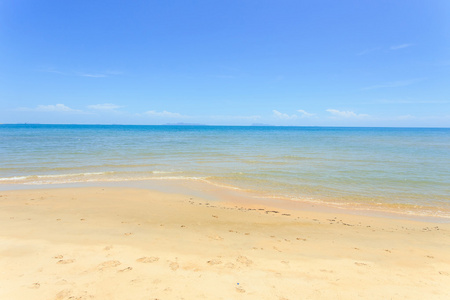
[{"x": 407, "y": 168}]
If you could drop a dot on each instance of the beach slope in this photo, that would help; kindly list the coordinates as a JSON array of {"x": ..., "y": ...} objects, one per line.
[{"x": 120, "y": 243}]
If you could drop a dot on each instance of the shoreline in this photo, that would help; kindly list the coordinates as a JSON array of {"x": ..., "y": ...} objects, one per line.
[
  {"x": 116, "y": 243},
  {"x": 207, "y": 189}
]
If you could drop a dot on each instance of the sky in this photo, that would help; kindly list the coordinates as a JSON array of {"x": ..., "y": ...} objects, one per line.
[{"x": 235, "y": 62}]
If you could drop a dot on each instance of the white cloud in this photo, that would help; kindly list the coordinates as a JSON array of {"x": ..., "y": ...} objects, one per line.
[
  {"x": 283, "y": 116},
  {"x": 346, "y": 114},
  {"x": 393, "y": 84},
  {"x": 104, "y": 106},
  {"x": 402, "y": 46},
  {"x": 51, "y": 108},
  {"x": 56, "y": 107},
  {"x": 305, "y": 114},
  {"x": 166, "y": 114}
]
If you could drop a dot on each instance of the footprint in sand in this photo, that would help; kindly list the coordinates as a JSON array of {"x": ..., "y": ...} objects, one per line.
[
  {"x": 58, "y": 257},
  {"x": 229, "y": 265},
  {"x": 147, "y": 260},
  {"x": 64, "y": 294},
  {"x": 125, "y": 270},
  {"x": 360, "y": 264},
  {"x": 326, "y": 271},
  {"x": 244, "y": 260},
  {"x": 35, "y": 285},
  {"x": 240, "y": 290},
  {"x": 127, "y": 233},
  {"x": 174, "y": 266},
  {"x": 65, "y": 261},
  {"x": 108, "y": 264},
  {"x": 214, "y": 262}
]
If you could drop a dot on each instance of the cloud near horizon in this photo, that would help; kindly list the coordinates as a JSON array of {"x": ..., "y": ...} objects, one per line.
[
  {"x": 104, "y": 106},
  {"x": 51, "y": 108},
  {"x": 305, "y": 114},
  {"x": 346, "y": 114},
  {"x": 165, "y": 114},
  {"x": 283, "y": 116}
]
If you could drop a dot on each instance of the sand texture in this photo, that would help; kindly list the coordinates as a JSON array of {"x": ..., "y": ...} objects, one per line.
[{"x": 118, "y": 243}]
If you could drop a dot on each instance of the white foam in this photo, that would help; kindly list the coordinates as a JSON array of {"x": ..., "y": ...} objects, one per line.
[
  {"x": 34, "y": 177},
  {"x": 13, "y": 178}
]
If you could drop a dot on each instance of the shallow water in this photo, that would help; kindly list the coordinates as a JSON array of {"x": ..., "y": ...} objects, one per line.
[{"x": 402, "y": 168}]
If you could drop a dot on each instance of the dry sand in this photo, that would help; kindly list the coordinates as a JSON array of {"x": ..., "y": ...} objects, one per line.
[{"x": 118, "y": 243}]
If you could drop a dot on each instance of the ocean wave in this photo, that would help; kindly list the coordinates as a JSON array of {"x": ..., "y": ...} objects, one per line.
[
  {"x": 13, "y": 178},
  {"x": 95, "y": 177},
  {"x": 33, "y": 177}
]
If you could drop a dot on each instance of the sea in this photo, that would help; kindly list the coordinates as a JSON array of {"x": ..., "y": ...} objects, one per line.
[{"x": 405, "y": 170}]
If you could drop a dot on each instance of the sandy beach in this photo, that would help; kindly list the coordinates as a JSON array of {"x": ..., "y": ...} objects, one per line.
[{"x": 123, "y": 243}]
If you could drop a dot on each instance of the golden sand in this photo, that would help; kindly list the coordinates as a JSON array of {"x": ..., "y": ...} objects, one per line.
[{"x": 120, "y": 243}]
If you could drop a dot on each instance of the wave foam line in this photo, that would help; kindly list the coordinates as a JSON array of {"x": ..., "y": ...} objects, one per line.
[{"x": 52, "y": 176}]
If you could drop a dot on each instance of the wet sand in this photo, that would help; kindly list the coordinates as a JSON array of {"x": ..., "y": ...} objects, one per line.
[{"x": 122, "y": 243}]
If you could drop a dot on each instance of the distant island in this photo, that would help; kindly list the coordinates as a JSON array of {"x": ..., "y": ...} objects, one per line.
[
  {"x": 185, "y": 124},
  {"x": 260, "y": 124}
]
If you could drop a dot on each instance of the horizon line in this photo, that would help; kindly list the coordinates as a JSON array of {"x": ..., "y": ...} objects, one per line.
[{"x": 209, "y": 125}]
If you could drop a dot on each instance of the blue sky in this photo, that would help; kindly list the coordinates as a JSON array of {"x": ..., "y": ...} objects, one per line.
[{"x": 303, "y": 63}]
